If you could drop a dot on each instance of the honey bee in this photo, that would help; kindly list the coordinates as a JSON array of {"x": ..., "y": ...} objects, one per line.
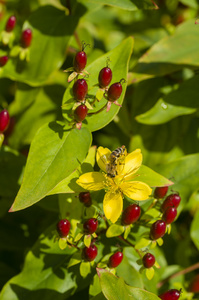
[{"x": 116, "y": 160}]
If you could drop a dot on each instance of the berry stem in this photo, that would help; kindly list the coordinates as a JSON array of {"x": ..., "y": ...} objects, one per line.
[
  {"x": 130, "y": 244},
  {"x": 182, "y": 272}
]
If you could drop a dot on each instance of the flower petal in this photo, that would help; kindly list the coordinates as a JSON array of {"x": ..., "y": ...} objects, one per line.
[
  {"x": 91, "y": 181},
  {"x": 132, "y": 163},
  {"x": 136, "y": 190},
  {"x": 102, "y": 157},
  {"x": 113, "y": 205}
]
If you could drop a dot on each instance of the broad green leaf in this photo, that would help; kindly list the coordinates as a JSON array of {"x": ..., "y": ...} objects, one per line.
[
  {"x": 95, "y": 288},
  {"x": 69, "y": 185},
  {"x": 48, "y": 45},
  {"x": 142, "y": 243},
  {"x": 150, "y": 273},
  {"x": 195, "y": 230},
  {"x": 125, "y": 4},
  {"x": 114, "y": 230},
  {"x": 11, "y": 166},
  {"x": 163, "y": 112},
  {"x": 184, "y": 173},
  {"x": 99, "y": 297},
  {"x": 152, "y": 178},
  {"x": 54, "y": 155},
  {"x": 119, "y": 64},
  {"x": 87, "y": 240},
  {"x": 168, "y": 55},
  {"x": 182, "y": 101},
  {"x": 114, "y": 288}
]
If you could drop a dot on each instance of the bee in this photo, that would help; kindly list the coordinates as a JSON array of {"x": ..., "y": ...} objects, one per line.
[{"x": 116, "y": 160}]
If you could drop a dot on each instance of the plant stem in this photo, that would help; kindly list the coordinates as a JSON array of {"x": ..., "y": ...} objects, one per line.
[{"x": 182, "y": 272}]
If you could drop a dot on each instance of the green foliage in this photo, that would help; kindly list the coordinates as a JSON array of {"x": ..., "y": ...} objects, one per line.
[{"x": 152, "y": 46}]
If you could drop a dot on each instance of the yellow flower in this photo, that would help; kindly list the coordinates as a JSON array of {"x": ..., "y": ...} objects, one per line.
[{"x": 115, "y": 187}]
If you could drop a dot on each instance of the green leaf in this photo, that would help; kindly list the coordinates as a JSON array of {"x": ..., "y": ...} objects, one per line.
[
  {"x": 54, "y": 155},
  {"x": 119, "y": 65},
  {"x": 114, "y": 288},
  {"x": 167, "y": 55},
  {"x": 87, "y": 240},
  {"x": 184, "y": 173},
  {"x": 75, "y": 259},
  {"x": 163, "y": 112},
  {"x": 195, "y": 229},
  {"x": 142, "y": 243},
  {"x": 48, "y": 46},
  {"x": 125, "y": 4},
  {"x": 152, "y": 178},
  {"x": 114, "y": 230},
  {"x": 62, "y": 243},
  {"x": 99, "y": 297},
  {"x": 127, "y": 231},
  {"x": 150, "y": 273},
  {"x": 85, "y": 268}
]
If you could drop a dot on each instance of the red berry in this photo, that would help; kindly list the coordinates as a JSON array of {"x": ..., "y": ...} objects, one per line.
[
  {"x": 80, "y": 113},
  {"x": 160, "y": 192},
  {"x": 194, "y": 285},
  {"x": 114, "y": 91},
  {"x": 172, "y": 294},
  {"x": 158, "y": 229},
  {"x": 90, "y": 226},
  {"x": 80, "y": 61},
  {"x": 148, "y": 260},
  {"x": 171, "y": 200},
  {"x": 131, "y": 214},
  {"x": 85, "y": 197},
  {"x": 63, "y": 227},
  {"x": 169, "y": 215},
  {"x": 115, "y": 259},
  {"x": 10, "y": 25},
  {"x": 26, "y": 38},
  {"x": 4, "y": 120},
  {"x": 3, "y": 60},
  {"x": 89, "y": 253},
  {"x": 105, "y": 77},
  {"x": 80, "y": 89}
]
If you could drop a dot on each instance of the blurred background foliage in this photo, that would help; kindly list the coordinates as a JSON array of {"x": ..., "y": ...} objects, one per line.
[{"x": 159, "y": 115}]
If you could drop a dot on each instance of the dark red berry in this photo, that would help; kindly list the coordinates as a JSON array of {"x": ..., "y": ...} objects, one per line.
[
  {"x": 90, "y": 226},
  {"x": 160, "y": 192},
  {"x": 85, "y": 197},
  {"x": 80, "y": 113},
  {"x": 105, "y": 77},
  {"x": 26, "y": 38},
  {"x": 3, "y": 60},
  {"x": 63, "y": 227},
  {"x": 169, "y": 215},
  {"x": 194, "y": 285},
  {"x": 172, "y": 294},
  {"x": 171, "y": 200},
  {"x": 80, "y": 61},
  {"x": 131, "y": 214},
  {"x": 89, "y": 253},
  {"x": 4, "y": 120},
  {"x": 114, "y": 91},
  {"x": 148, "y": 260},
  {"x": 158, "y": 229},
  {"x": 80, "y": 89},
  {"x": 10, "y": 25},
  {"x": 115, "y": 259}
]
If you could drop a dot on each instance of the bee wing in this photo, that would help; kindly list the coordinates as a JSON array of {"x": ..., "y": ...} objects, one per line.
[{"x": 102, "y": 158}]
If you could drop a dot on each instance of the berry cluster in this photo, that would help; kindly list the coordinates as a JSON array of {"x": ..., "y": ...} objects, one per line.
[
  {"x": 169, "y": 209},
  {"x": 80, "y": 88},
  {"x": 7, "y": 37}
]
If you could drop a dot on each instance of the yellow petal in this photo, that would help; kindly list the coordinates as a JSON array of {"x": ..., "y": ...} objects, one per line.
[
  {"x": 136, "y": 190},
  {"x": 132, "y": 163},
  {"x": 113, "y": 205},
  {"x": 91, "y": 181},
  {"x": 102, "y": 157}
]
